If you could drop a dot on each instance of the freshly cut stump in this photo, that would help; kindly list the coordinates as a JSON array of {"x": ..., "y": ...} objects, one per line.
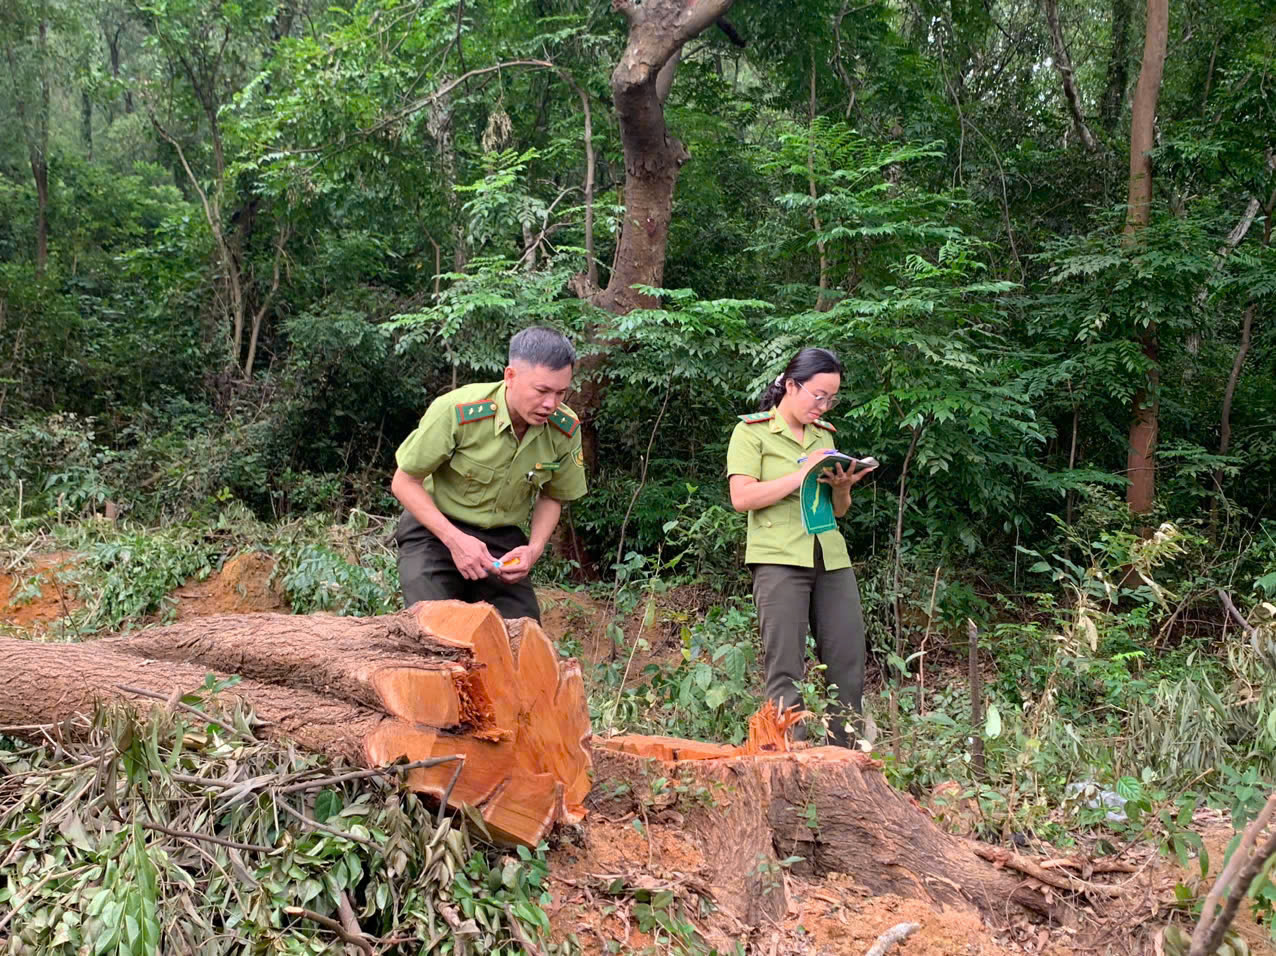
[
  {"x": 760, "y": 803},
  {"x": 439, "y": 679}
]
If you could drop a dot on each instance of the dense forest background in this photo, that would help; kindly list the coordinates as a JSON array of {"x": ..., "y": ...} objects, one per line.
[{"x": 244, "y": 244}]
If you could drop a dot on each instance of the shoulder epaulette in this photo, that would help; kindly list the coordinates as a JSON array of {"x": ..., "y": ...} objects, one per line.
[
  {"x": 821, "y": 423},
  {"x": 753, "y": 418},
  {"x": 467, "y": 412},
  {"x": 565, "y": 422}
]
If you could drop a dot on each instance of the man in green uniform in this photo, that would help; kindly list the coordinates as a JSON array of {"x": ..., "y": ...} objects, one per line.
[{"x": 481, "y": 458}]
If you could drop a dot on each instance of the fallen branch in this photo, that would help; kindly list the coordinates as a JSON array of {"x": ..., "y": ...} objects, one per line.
[
  {"x": 1249, "y": 629},
  {"x": 328, "y": 922},
  {"x": 1089, "y": 866},
  {"x": 315, "y": 824},
  {"x": 207, "y": 838},
  {"x": 180, "y": 705},
  {"x": 374, "y": 772},
  {"x": 1238, "y": 874},
  {"x": 516, "y": 930},
  {"x": 896, "y": 934},
  {"x": 1051, "y": 878}
]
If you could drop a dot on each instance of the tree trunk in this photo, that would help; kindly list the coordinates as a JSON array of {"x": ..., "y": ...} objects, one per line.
[
  {"x": 33, "y": 120},
  {"x": 86, "y": 124},
  {"x": 439, "y": 679},
  {"x": 1063, "y": 63},
  {"x": 822, "y": 301},
  {"x": 640, "y": 83},
  {"x": 1118, "y": 67},
  {"x": 828, "y": 805},
  {"x": 1141, "y": 461}
]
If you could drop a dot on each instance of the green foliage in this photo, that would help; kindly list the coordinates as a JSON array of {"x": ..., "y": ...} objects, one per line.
[
  {"x": 709, "y": 695},
  {"x": 87, "y": 881},
  {"x": 319, "y": 579}
]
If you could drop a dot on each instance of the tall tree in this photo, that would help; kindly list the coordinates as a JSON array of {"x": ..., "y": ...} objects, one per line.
[
  {"x": 210, "y": 52},
  {"x": 1118, "y": 67},
  {"x": 640, "y": 84},
  {"x": 1067, "y": 75},
  {"x": 23, "y": 25},
  {"x": 1141, "y": 460}
]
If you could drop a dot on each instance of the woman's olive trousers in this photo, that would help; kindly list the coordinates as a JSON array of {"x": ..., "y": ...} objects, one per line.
[{"x": 792, "y": 601}]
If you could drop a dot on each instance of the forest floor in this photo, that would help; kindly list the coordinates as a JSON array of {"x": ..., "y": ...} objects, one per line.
[{"x": 600, "y": 872}]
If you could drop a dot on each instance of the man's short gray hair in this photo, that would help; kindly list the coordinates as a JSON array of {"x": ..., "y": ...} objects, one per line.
[{"x": 542, "y": 346}]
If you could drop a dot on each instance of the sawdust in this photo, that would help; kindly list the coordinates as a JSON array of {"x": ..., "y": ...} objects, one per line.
[
  {"x": 599, "y": 881},
  {"x": 837, "y": 919}
]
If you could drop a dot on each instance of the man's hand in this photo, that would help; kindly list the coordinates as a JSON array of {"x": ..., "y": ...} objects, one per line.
[
  {"x": 517, "y": 564},
  {"x": 471, "y": 557}
]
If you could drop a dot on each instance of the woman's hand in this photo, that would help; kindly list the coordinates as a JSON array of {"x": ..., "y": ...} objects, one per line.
[{"x": 842, "y": 480}]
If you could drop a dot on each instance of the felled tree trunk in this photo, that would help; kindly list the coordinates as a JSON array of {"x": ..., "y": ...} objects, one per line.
[
  {"x": 440, "y": 679},
  {"x": 745, "y": 810}
]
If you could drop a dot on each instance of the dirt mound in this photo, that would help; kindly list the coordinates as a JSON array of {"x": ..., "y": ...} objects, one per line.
[
  {"x": 242, "y": 586},
  {"x": 35, "y": 599}
]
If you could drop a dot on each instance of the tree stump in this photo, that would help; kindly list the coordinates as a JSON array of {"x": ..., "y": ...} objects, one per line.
[
  {"x": 439, "y": 679},
  {"x": 747, "y": 809}
]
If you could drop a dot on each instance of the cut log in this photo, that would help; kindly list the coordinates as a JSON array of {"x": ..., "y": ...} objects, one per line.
[
  {"x": 534, "y": 694},
  {"x": 437, "y": 680},
  {"x": 828, "y": 806},
  {"x": 386, "y": 663},
  {"x": 53, "y": 683}
]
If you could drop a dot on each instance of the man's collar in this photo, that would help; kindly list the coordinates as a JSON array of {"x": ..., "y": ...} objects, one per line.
[{"x": 502, "y": 410}]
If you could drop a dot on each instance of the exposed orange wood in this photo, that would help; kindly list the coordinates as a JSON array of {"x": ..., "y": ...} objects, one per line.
[
  {"x": 525, "y": 809},
  {"x": 666, "y": 748},
  {"x": 427, "y": 697}
]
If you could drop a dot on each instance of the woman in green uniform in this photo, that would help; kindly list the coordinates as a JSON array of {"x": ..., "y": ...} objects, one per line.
[{"x": 801, "y": 581}]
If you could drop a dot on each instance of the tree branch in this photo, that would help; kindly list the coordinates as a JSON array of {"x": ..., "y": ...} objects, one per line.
[
  {"x": 1064, "y": 65},
  {"x": 1239, "y": 873},
  {"x": 329, "y": 923}
]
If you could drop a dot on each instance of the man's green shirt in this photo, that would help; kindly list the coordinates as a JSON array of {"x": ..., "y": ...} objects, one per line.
[
  {"x": 762, "y": 447},
  {"x": 475, "y": 467}
]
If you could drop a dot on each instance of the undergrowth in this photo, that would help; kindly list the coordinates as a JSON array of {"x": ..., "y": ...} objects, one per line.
[{"x": 164, "y": 835}]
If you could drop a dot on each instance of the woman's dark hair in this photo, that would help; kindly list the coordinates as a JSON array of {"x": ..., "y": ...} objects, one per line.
[{"x": 801, "y": 369}]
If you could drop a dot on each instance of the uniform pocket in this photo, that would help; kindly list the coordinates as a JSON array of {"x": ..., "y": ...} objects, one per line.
[{"x": 475, "y": 477}]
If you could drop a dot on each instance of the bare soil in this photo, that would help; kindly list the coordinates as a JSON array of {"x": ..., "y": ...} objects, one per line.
[{"x": 33, "y": 600}]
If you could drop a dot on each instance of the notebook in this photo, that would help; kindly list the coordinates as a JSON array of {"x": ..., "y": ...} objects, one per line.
[{"x": 817, "y": 498}]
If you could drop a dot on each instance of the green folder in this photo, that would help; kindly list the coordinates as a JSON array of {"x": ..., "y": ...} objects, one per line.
[{"x": 817, "y": 498}]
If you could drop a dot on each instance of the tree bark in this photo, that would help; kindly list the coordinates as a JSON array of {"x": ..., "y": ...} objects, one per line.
[
  {"x": 1063, "y": 63},
  {"x": 35, "y": 131},
  {"x": 442, "y": 678},
  {"x": 640, "y": 84},
  {"x": 828, "y": 805},
  {"x": 1225, "y": 418},
  {"x": 822, "y": 301},
  {"x": 1141, "y": 461},
  {"x": 1118, "y": 67}
]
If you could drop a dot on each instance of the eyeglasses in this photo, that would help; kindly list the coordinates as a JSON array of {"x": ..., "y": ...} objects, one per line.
[{"x": 828, "y": 401}]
